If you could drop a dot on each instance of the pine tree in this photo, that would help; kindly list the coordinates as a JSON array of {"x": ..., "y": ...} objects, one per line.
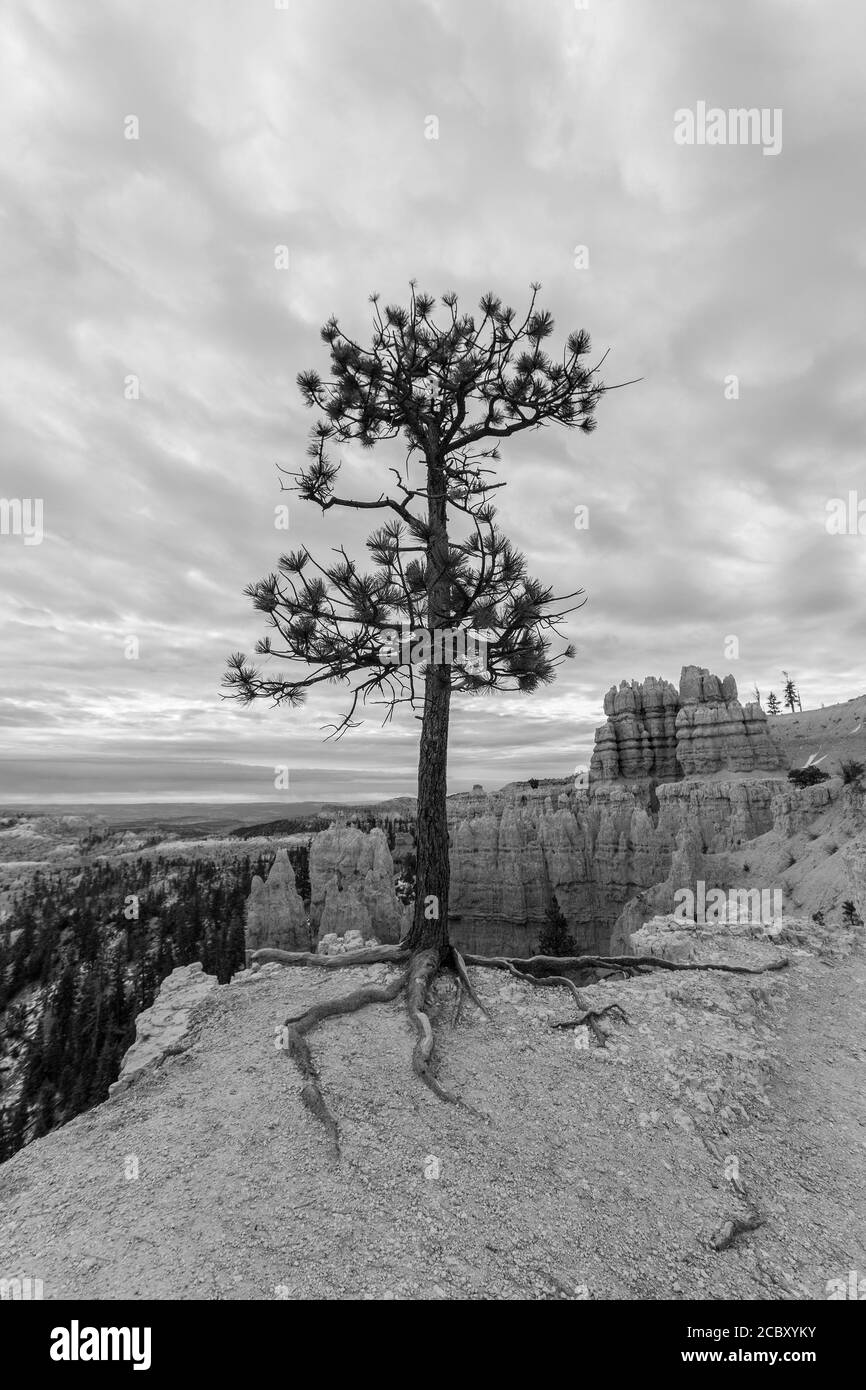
[
  {"x": 773, "y": 703},
  {"x": 453, "y": 387},
  {"x": 450, "y": 387},
  {"x": 790, "y": 698}
]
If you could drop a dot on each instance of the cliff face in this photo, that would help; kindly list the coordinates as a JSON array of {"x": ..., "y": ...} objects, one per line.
[
  {"x": 594, "y": 852},
  {"x": 616, "y": 855},
  {"x": 654, "y": 731}
]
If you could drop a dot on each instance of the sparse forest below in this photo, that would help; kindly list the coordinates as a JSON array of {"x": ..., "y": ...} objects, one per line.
[{"x": 84, "y": 951}]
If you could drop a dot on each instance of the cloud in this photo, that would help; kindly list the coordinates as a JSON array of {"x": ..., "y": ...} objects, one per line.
[{"x": 152, "y": 348}]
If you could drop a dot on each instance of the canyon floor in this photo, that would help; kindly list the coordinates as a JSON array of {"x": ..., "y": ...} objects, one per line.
[{"x": 599, "y": 1172}]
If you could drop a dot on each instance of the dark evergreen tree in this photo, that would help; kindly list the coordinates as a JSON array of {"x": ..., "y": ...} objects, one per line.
[{"x": 555, "y": 939}]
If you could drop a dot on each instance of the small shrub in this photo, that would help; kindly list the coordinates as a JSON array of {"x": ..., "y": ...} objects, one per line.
[
  {"x": 533, "y": 782},
  {"x": 852, "y": 773},
  {"x": 818, "y": 918},
  {"x": 850, "y": 915},
  {"x": 807, "y": 776}
]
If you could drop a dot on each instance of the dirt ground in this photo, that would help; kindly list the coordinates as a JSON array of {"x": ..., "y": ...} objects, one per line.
[{"x": 600, "y": 1173}]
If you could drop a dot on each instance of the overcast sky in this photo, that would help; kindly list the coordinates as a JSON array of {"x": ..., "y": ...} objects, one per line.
[{"x": 308, "y": 127}]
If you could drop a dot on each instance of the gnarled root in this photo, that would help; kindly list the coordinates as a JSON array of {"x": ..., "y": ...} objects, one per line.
[
  {"x": 589, "y": 1018},
  {"x": 298, "y": 1049},
  {"x": 618, "y": 964},
  {"x": 420, "y": 976},
  {"x": 370, "y": 955},
  {"x": 533, "y": 969},
  {"x": 459, "y": 966},
  {"x": 415, "y": 980},
  {"x": 421, "y": 970}
]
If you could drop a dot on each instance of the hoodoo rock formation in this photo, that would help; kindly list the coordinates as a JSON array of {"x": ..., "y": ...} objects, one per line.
[
  {"x": 275, "y": 913},
  {"x": 352, "y": 883},
  {"x": 640, "y": 736},
  {"x": 654, "y": 731},
  {"x": 715, "y": 733}
]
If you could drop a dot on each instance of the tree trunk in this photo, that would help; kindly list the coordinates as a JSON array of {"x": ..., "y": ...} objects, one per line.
[{"x": 433, "y": 872}]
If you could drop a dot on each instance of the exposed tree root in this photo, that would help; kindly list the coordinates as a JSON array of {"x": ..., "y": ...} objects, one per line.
[
  {"x": 298, "y": 1049},
  {"x": 626, "y": 964},
  {"x": 370, "y": 955},
  {"x": 416, "y": 980},
  {"x": 420, "y": 977},
  {"x": 460, "y": 970},
  {"x": 421, "y": 974},
  {"x": 590, "y": 1019}
]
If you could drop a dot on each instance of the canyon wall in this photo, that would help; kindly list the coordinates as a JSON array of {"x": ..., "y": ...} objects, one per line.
[
  {"x": 595, "y": 852},
  {"x": 681, "y": 780}
]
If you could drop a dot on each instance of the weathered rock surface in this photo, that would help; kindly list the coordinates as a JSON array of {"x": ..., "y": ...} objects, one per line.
[
  {"x": 162, "y": 1027},
  {"x": 352, "y": 883},
  {"x": 275, "y": 914},
  {"x": 669, "y": 937}
]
